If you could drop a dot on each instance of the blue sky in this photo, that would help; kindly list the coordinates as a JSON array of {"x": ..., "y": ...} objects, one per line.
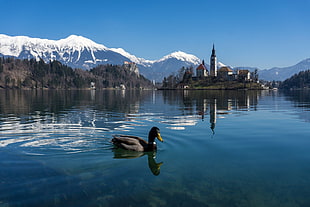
[{"x": 258, "y": 33}]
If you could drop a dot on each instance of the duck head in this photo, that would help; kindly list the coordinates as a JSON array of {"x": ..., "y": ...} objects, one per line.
[{"x": 155, "y": 133}]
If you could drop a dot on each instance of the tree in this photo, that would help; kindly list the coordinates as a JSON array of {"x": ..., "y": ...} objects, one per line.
[
  {"x": 165, "y": 83},
  {"x": 300, "y": 80},
  {"x": 188, "y": 75},
  {"x": 1, "y": 65},
  {"x": 38, "y": 74}
]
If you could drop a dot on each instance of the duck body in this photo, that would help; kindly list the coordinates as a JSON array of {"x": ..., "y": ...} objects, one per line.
[
  {"x": 135, "y": 143},
  {"x": 132, "y": 143}
]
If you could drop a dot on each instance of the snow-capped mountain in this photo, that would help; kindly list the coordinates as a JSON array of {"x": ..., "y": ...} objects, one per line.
[
  {"x": 220, "y": 64},
  {"x": 75, "y": 51},
  {"x": 80, "y": 52},
  {"x": 182, "y": 56},
  {"x": 168, "y": 65}
]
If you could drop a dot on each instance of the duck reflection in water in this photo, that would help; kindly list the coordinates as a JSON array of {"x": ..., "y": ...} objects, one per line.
[
  {"x": 127, "y": 154},
  {"x": 128, "y": 146}
]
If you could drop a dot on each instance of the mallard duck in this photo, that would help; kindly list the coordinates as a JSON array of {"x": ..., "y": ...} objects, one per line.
[{"x": 136, "y": 143}]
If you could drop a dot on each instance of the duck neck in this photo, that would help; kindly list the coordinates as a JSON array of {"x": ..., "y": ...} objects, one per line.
[
  {"x": 151, "y": 146},
  {"x": 151, "y": 143},
  {"x": 151, "y": 140}
]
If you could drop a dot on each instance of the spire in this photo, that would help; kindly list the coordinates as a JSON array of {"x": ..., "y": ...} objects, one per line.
[
  {"x": 213, "y": 51},
  {"x": 213, "y": 63}
]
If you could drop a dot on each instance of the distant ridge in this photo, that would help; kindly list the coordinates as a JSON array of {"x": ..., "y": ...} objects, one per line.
[{"x": 281, "y": 74}]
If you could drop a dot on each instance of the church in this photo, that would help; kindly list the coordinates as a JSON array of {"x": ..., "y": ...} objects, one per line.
[
  {"x": 202, "y": 71},
  {"x": 224, "y": 73}
]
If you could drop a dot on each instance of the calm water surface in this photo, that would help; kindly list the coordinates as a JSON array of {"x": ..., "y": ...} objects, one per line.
[{"x": 221, "y": 148}]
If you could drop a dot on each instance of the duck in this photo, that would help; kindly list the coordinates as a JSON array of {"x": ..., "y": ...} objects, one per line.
[{"x": 134, "y": 143}]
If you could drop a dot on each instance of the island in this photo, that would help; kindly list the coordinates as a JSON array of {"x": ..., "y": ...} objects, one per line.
[{"x": 216, "y": 78}]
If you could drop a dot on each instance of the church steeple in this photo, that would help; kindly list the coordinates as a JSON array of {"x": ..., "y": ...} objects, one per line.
[
  {"x": 213, "y": 51},
  {"x": 213, "y": 63}
]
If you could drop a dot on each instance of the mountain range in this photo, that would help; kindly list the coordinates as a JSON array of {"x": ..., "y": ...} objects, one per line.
[
  {"x": 80, "y": 52},
  {"x": 284, "y": 73}
]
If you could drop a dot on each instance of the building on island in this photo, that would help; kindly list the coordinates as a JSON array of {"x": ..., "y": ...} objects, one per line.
[
  {"x": 244, "y": 75},
  {"x": 225, "y": 73},
  {"x": 202, "y": 71},
  {"x": 213, "y": 63},
  {"x": 92, "y": 85}
]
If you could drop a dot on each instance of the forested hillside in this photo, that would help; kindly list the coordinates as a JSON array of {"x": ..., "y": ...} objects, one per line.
[
  {"x": 298, "y": 81},
  {"x": 16, "y": 73}
]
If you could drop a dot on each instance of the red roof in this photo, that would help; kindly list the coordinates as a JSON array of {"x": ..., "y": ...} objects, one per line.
[
  {"x": 201, "y": 67},
  {"x": 243, "y": 72},
  {"x": 225, "y": 69}
]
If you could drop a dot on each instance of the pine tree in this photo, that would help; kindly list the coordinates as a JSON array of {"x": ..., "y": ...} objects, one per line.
[{"x": 1, "y": 65}]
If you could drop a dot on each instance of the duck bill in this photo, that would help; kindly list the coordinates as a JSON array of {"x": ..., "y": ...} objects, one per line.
[{"x": 159, "y": 137}]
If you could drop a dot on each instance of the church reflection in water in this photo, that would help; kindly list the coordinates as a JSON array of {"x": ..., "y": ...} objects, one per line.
[
  {"x": 213, "y": 115},
  {"x": 220, "y": 103}
]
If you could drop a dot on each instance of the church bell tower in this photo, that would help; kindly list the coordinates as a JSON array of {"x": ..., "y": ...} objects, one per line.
[{"x": 213, "y": 64}]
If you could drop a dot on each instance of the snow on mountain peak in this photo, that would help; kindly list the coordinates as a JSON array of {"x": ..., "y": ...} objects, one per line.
[
  {"x": 128, "y": 55},
  {"x": 13, "y": 45},
  {"x": 79, "y": 41},
  {"x": 179, "y": 55},
  {"x": 80, "y": 52},
  {"x": 67, "y": 50},
  {"x": 220, "y": 64}
]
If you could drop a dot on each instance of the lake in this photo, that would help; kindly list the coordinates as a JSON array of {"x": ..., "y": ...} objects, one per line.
[{"x": 221, "y": 148}]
